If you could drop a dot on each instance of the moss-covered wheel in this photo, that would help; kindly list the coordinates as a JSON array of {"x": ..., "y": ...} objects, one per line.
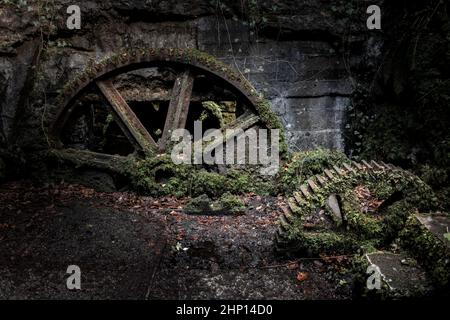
[
  {"x": 349, "y": 207},
  {"x": 128, "y": 104}
]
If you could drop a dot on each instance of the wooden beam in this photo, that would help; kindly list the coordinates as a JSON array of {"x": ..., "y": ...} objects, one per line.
[
  {"x": 126, "y": 116},
  {"x": 91, "y": 159},
  {"x": 178, "y": 107},
  {"x": 230, "y": 131}
]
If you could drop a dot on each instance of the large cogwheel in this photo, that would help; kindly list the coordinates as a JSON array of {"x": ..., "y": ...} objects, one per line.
[{"x": 350, "y": 207}]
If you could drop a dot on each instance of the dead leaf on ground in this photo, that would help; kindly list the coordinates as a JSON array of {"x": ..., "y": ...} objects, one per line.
[{"x": 302, "y": 276}]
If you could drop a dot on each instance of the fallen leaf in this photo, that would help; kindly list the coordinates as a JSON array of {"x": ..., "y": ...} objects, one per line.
[{"x": 302, "y": 276}]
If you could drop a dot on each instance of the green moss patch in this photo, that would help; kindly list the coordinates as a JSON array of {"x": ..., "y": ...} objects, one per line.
[
  {"x": 226, "y": 204},
  {"x": 302, "y": 165},
  {"x": 159, "y": 176},
  {"x": 428, "y": 249}
]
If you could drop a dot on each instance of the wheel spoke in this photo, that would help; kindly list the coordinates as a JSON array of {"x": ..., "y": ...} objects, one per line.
[
  {"x": 127, "y": 119},
  {"x": 91, "y": 159},
  {"x": 178, "y": 107},
  {"x": 230, "y": 131}
]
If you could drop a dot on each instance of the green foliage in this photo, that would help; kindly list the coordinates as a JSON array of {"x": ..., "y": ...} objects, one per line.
[
  {"x": 317, "y": 243},
  {"x": 215, "y": 110},
  {"x": 300, "y": 166},
  {"x": 159, "y": 176},
  {"x": 395, "y": 217},
  {"x": 199, "y": 205},
  {"x": 447, "y": 236},
  {"x": 205, "y": 182},
  {"x": 439, "y": 178},
  {"x": 428, "y": 249},
  {"x": 400, "y": 112},
  {"x": 230, "y": 204},
  {"x": 362, "y": 225}
]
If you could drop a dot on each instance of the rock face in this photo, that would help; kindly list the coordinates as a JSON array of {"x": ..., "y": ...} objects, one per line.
[{"x": 295, "y": 52}]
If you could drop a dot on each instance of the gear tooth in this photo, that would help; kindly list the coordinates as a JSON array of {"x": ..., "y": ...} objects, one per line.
[
  {"x": 366, "y": 164},
  {"x": 387, "y": 165},
  {"x": 305, "y": 190},
  {"x": 292, "y": 202},
  {"x": 339, "y": 171},
  {"x": 280, "y": 240},
  {"x": 288, "y": 214},
  {"x": 312, "y": 184},
  {"x": 357, "y": 165},
  {"x": 348, "y": 167},
  {"x": 321, "y": 180},
  {"x": 280, "y": 232},
  {"x": 284, "y": 223},
  {"x": 376, "y": 165},
  {"x": 299, "y": 198},
  {"x": 328, "y": 174}
]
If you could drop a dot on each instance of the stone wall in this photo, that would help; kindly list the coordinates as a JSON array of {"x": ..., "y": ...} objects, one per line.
[{"x": 300, "y": 54}]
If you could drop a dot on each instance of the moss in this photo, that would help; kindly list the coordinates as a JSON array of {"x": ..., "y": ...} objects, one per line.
[
  {"x": 315, "y": 244},
  {"x": 300, "y": 166},
  {"x": 199, "y": 205},
  {"x": 158, "y": 176},
  {"x": 229, "y": 204},
  {"x": 395, "y": 217},
  {"x": 384, "y": 225},
  {"x": 109, "y": 120},
  {"x": 432, "y": 253},
  {"x": 362, "y": 225},
  {"x": 240, "y": 181},
  {"x": 270, "y": 119},
  {"x": 210, "y": 183},
  {"x": 215, "y": 109},
  {"x": 226, "y": 204}
]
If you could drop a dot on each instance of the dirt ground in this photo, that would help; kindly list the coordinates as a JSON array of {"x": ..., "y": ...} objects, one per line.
[{"x": 133, "y": 247}]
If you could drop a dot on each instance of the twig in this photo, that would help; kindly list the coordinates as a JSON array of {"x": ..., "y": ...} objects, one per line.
[{"x": 156, "y": 268}]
